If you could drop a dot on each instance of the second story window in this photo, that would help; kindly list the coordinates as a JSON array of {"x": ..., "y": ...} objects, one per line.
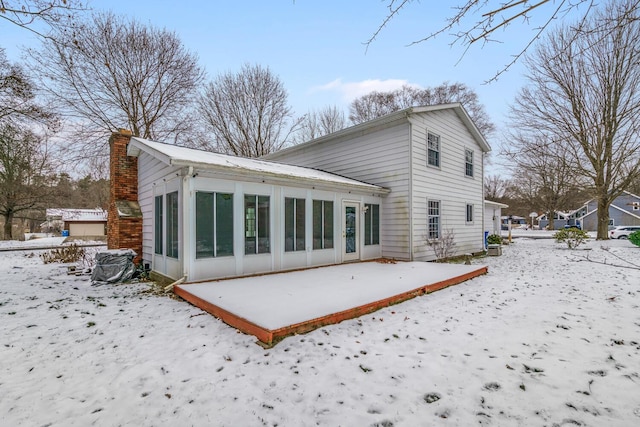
[
  {"x": 468, "y": 163},
  {"x": 433, "y": 150}
]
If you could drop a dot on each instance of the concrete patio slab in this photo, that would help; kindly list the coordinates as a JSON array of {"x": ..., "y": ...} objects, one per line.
[{"x": 274, "y": 306}]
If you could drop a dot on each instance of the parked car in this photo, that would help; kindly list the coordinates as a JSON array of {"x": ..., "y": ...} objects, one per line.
[{"x": 623, "y": 231}]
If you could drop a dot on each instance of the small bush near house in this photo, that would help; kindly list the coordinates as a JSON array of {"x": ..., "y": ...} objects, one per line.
[
  {"x": 494, "y": 239},
  {"x": 444, "y": 247},
  {"x": 65, "y": 254},
  {"x": 635, "y": 238},
  {"x": 573, "y": 237}
]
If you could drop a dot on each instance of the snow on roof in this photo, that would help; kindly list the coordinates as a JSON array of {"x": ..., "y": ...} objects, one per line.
[
  {"x": 77, "y": 214},
  {"x": 182, "y": 156}
]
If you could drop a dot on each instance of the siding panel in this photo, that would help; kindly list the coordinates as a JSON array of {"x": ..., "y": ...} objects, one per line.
[{"x": 380, "y": 157}]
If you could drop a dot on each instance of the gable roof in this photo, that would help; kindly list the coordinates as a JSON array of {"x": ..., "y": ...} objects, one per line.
[
  {"x": 396, "y": 116},
  {"x": 182, "y": 156},
  {"x": 610, "y": 207},
  {"x": 628, "y": 193}
]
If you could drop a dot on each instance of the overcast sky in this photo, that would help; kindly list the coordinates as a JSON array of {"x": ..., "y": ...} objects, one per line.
[{"x": 317, "y": 47}]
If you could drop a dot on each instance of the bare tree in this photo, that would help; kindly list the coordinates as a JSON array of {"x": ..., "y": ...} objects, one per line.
[
  {"x": 115, "y": 72},
  {"x": 495, "y": 187},
  {"x": 24, "y": 169},
  {"x": 377, "y": 104},
  {"x": 17, "y": 96},
  {"x": 28, "y": 14},
  {"x": 473, "y": 22},
  {"x": 583, "y": 93},
  {"x": 317, "y": 123},
  {"x": 550, "y": 169},
  {"x": 247, "y": 112}
]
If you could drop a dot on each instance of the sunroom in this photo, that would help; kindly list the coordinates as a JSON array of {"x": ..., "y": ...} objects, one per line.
[{"x": 209, "y": 215}]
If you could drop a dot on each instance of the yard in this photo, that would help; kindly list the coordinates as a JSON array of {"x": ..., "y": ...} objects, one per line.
[{"x": 546, "y": 338}]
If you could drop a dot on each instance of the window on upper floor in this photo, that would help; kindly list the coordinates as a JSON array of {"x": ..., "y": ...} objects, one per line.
[
  {"x": 468, "y": 163},
  {"x": 433, "y": 149}
]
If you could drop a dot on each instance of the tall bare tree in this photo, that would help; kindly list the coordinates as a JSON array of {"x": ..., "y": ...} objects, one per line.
[
  {"x": 377, "y": 104},
  {"x": 29, "y": 14},
  {"x": 317, "y": 123},
  {"x": 18, "y": 102},
  {"x": 247, "y": 112},
  {"x": 477, "y": 22},
  {"x": 24, "y": 168},
  {"x": 555, "y": 187},
  {"x": 495, "y": 187},
  {"x": 114, "y": 72},
  {"x": 583, "y": 93}
]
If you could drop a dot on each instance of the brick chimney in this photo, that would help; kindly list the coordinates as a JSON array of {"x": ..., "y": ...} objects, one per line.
[{"x": 124, "y": 225}]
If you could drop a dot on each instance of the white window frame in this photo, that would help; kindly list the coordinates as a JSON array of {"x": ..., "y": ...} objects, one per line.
[
  {"x": 469, "y": 213},
  {"x": 468, "y": 163},
  {"x": 433, "y": 145},
  {"x": 434, "y": 212}
]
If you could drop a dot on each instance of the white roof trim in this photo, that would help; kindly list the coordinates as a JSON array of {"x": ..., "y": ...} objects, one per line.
[
  {"x": 181, "y": 156},
  {"x": 495, "y": 204},
  {"x": 389, "y": 118}
]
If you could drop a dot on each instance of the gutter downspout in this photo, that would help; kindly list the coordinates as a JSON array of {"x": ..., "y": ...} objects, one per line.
[{"x": 411, "y": 225}]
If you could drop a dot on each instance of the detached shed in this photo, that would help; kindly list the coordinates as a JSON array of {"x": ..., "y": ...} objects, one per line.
[{"x": 79, "y": 222}]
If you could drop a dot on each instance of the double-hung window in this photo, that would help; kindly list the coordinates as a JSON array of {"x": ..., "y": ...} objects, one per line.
[
  {"x": 256, "y": 224},
  {"x": 468, "y": 163},
  {"x": 433, "y": 149},
  {"x": 214, "y": 224},
  {"x": 371, "y": 224},
  {"x": 433, "y": 208},
  {"x": 294, "y": 215},
  {"x": 322, "y": 224}
]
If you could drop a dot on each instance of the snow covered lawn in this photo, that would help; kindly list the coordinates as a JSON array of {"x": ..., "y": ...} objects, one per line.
[{"x": 546, "y": 338}]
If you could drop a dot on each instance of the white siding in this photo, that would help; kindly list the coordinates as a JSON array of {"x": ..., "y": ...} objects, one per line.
[
  {"x": 151, "y": 174},
  {"x": 448, "y": 183},
  {"x": 379, "y": 156}
]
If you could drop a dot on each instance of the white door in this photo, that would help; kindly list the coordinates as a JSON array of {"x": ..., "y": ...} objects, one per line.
[{"x": 350, "y": 231}]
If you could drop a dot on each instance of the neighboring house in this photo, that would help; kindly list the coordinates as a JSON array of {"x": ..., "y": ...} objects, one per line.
[
  {"x": 78, "y": 222},
  {"x": 625, "y": 210},
  {"x": 378, "y": 189},
  {"x": 560, "y": 220},
  {"x": 492, "y": 215},
  {"x": 516, "y": 221}
]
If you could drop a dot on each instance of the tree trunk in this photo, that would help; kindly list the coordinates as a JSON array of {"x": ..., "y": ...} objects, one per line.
[
  {"x": 551, "y": 225},
  {"x": 8, "y": 226},
  {"x": 603, "y": 219}
]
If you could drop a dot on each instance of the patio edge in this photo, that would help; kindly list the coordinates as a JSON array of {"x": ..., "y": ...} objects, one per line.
[{"x": 268, "y": 337}]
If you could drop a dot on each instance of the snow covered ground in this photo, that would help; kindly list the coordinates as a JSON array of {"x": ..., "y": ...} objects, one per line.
[{"x": 547, "y": 338}]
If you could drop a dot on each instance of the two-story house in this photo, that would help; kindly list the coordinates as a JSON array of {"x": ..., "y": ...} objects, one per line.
[{"x": 383, "y": 188}]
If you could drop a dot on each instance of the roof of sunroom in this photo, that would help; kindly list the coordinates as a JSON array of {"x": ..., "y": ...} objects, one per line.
[{"x": 182, "y": 156}]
